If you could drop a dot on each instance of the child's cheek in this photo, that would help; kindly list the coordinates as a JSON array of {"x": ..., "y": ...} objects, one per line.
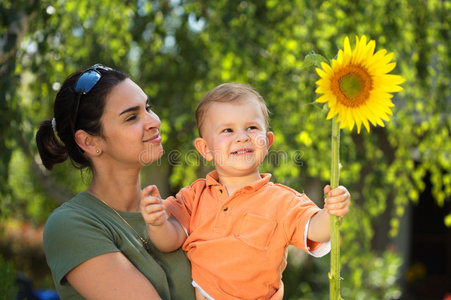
[
  {"x": 260, "y": 140},
  {"x": 221, "y": 143}
]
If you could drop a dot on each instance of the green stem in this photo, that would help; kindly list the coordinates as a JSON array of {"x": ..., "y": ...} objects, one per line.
[{"x": 334, "y": 275}]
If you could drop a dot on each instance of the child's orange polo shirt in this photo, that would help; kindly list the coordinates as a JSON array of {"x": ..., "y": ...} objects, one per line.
[{"x": 236, "y": 244}]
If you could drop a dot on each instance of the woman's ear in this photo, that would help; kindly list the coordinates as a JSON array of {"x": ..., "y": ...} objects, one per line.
[
  {"x": 87, "y": 142},
  {"x": 202, "y": 148}
]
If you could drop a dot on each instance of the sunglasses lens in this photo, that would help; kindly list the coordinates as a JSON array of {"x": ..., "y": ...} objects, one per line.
[{"x": 87, "y": 81}]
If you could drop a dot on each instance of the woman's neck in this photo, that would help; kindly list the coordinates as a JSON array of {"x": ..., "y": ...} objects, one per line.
[{"x": 119, "y": 189}]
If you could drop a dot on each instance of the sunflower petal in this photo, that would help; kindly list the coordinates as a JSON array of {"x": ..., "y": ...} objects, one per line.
[
  {"x": 322, "y": 99},
  {"x": 347, "y": 45},
  {"x": 326, "y": 67},
  {"x": 384, "y": 69}
]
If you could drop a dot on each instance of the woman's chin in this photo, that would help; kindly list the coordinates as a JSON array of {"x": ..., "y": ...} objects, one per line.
[{"x": 151, "y": 155}]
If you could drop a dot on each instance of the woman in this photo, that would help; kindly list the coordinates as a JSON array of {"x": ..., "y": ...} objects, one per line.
[{"x": 96, "y": 244}]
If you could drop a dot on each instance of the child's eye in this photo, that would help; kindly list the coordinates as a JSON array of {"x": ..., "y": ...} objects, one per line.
[
  {"x": 252, "y": 128},
  {"x": 148, "y": 107},
  {"x": 227, "y": 130}
]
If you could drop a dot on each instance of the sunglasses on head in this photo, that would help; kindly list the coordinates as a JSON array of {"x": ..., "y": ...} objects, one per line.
[{"x": 87, "y": 80}]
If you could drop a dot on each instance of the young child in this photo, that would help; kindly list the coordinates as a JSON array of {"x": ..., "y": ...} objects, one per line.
[{"x": 236, "y": 223}]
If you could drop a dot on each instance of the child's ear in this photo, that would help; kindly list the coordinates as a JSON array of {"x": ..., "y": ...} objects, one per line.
[
  {"x": 87, "y": 142},
  {"x": 202, "y": 147},
  {"x": 269, "y": 138}
]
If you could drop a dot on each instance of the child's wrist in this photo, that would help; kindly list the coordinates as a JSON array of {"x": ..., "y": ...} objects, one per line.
[{"x": 151, "y": 226}]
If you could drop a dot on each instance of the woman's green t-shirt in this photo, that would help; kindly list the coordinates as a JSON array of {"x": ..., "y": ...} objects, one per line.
[{"x": 84, "y": 227}]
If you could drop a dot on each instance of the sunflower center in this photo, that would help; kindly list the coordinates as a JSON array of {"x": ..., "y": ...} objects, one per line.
[{"x": 352, "y": 85}]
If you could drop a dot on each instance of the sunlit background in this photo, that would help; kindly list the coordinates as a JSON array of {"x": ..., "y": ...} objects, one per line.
[{"x": 396, "y": 241}]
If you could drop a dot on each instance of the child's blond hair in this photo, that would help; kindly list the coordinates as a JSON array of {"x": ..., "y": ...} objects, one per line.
[{"x": 228, "y": 92}]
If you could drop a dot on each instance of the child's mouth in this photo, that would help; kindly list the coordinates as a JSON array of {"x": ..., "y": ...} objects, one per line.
[{"x": 242, "y": 152}]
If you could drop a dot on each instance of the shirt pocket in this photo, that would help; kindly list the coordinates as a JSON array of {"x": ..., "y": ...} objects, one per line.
[{"x": 256, "y": 231}]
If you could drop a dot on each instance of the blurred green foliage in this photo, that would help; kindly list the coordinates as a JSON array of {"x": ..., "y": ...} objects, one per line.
[
  {"x": 177, "y": 50},
  {"x": 8, "y": 287}
]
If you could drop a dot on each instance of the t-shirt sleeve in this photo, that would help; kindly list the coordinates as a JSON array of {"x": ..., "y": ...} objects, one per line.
[
  {"x": 71, "y": 239},
  {"x": 297, "y": 220},
  {"x": 181, "y": 206}
]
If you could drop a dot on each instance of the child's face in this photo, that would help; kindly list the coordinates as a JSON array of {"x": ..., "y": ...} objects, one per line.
[{"x": 235, "y": 137}]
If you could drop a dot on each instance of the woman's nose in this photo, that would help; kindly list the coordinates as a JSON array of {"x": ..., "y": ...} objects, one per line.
[{"x": 152, "y": 121}]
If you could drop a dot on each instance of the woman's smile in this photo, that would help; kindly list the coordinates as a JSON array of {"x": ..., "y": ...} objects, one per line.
[{"x": 154, "y": 139}]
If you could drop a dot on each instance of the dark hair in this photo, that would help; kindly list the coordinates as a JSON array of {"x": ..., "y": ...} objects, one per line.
[{"x": 56, "y": 146}]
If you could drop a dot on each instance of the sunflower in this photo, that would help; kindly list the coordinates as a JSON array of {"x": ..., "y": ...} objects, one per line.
[{"x": 356, "y": 85}]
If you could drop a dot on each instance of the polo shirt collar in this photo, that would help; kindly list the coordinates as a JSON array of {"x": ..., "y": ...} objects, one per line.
[{"x": 212, "y": 179}]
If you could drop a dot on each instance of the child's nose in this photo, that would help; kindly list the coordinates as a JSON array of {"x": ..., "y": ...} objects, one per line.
[{"x": 242, "y": 136}]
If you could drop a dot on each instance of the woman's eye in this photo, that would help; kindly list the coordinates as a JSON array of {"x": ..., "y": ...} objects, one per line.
[
  {"x": 148, "y": 108},
  {"x": 131, "y": 118}
]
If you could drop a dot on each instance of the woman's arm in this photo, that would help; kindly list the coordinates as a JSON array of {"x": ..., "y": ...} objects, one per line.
[{"x": 110, "y": 276}]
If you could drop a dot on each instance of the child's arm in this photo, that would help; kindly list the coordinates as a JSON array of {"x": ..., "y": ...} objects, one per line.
[
  {"x": 165, "y": 232},
  {"x": 337, "y": 203}
]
